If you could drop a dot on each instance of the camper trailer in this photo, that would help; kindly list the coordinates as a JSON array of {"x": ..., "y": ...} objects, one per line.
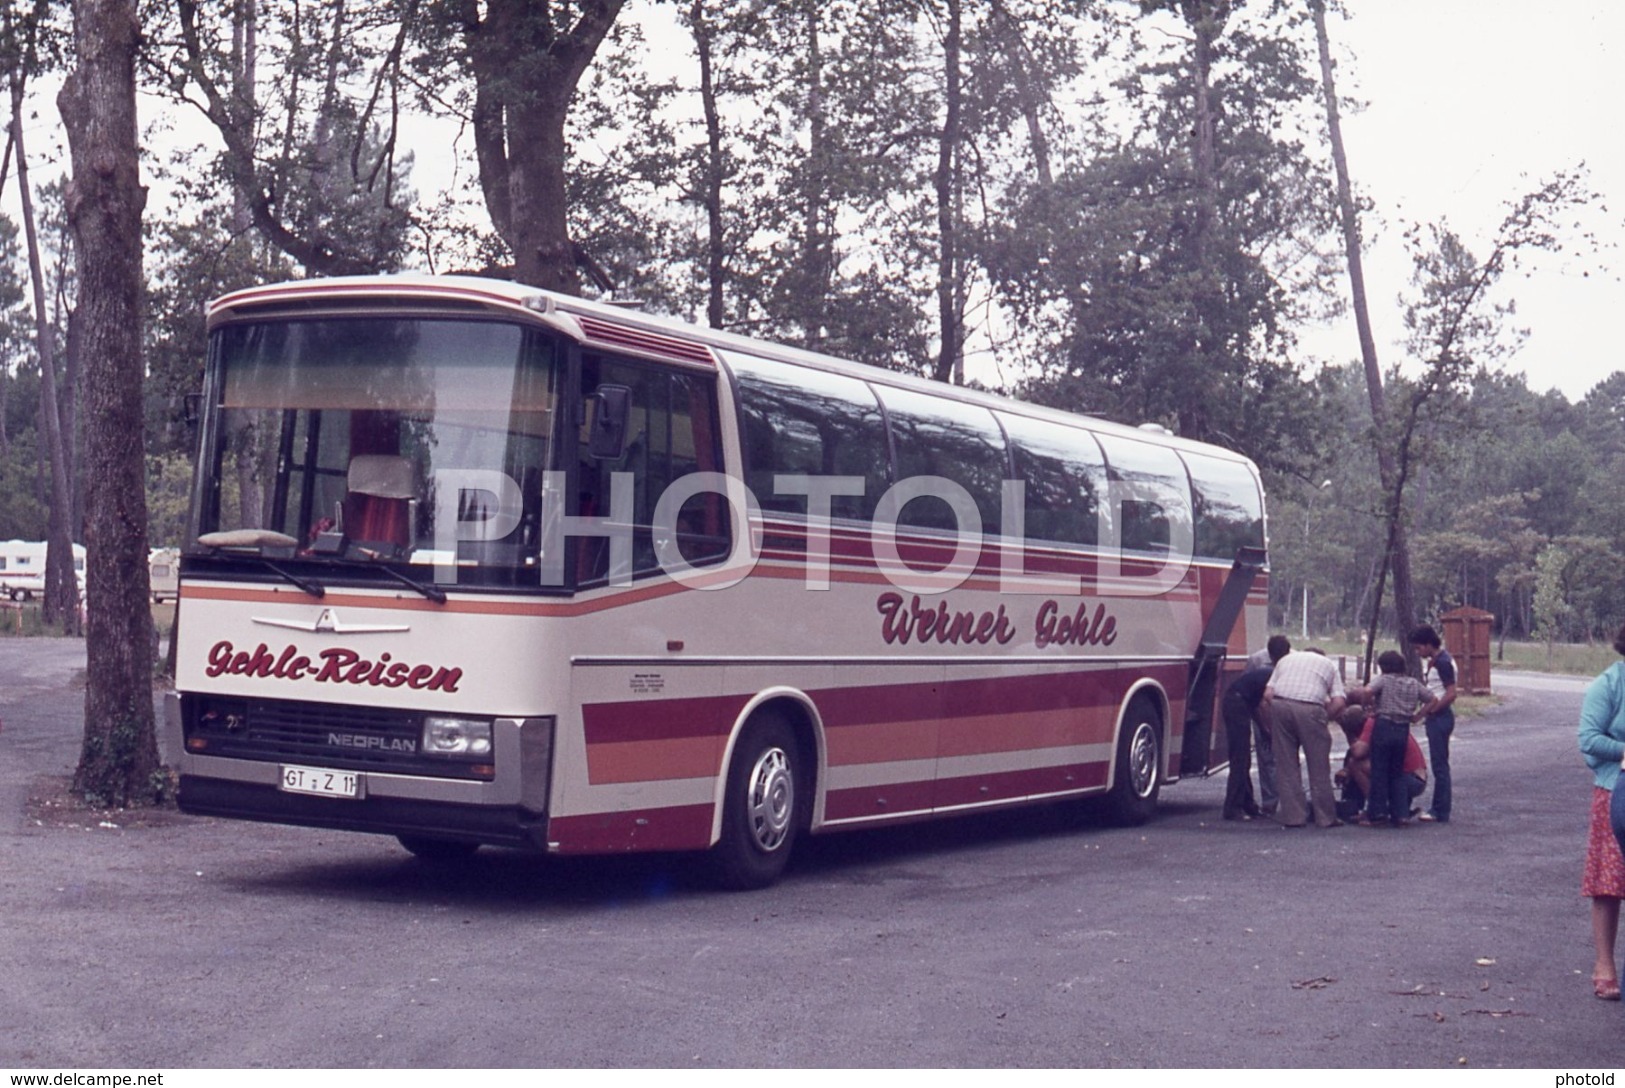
[
  {"x": 22, "y": 569},
  {"x": 163, "y": 573}
]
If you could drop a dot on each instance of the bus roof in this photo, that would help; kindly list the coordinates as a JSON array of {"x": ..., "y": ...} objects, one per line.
[{"x": 617, "y": 326}]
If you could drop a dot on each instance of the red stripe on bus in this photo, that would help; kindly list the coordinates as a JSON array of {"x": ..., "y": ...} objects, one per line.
[
  {"x": 874, "y": 802},
  {"x": 660, "y": 719},
  {"x": 1013, "y": 785},
  {"x": 645, "y": 719},
  {"x": 683, "y": 738},
  {"x": 653, "y": 343},
  {"x": 926, "y": 554},
  {"x": 679, "y": 827}
]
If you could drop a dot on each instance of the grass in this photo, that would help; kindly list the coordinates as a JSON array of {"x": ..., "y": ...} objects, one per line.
[
  {"x": 1567, "y": 658},
  {"x": 24, "y": 621}
]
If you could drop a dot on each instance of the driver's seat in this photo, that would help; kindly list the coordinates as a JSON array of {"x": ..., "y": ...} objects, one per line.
[{"x": 378, "y": 508}]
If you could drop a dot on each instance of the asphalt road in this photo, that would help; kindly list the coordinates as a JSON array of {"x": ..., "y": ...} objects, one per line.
[{"x": 1038, "y": 939}]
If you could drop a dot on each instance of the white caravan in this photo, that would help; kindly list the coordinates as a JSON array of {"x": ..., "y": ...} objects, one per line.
[{"x": 22, "y": 569}]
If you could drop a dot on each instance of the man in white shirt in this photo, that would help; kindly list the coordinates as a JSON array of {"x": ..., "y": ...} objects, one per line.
[{"x": 1305, "y": 691}]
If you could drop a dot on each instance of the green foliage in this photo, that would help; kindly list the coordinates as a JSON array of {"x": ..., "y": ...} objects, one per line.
[
  {"x": 22, "y": 501},
  {"x": 1552, "y": 610},
  {"x": 1111, "y": 258},
  {"x": 169, "y": 482},
  {"x": 1157, "y": 261}
]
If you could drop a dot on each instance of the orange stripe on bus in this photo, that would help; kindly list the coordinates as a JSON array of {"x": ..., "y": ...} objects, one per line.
[{"x": 654, "y": 760}]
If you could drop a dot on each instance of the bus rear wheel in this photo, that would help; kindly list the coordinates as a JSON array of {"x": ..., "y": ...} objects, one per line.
[
  {"x": 1137, "y": 776},
  {"x": 763, "y": 806}
]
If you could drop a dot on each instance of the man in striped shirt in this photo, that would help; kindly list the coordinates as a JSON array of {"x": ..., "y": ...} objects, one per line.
[{"x": 1305, "y": 691}]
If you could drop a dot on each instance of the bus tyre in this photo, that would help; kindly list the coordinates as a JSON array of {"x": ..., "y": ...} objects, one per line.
[
  {"x": 1137, "y": 775},
  {"x": 761, "y": 808},
  {"x": 441, "y": 850}
]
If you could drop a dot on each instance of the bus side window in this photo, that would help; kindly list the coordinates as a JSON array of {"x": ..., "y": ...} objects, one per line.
[
  {"x": 1154, "y": 494},
  {"x": 932, "y": 436},
  {"x": 671, "y": 432},
  {"x": 1228, "y": 505},
  {"x": 801, "y": 421},
  {"x": 1065, "y": 479}
]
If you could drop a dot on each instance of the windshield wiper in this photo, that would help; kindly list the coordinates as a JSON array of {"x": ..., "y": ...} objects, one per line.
[
  {"x": 313, "y": 588},
  {"x": 434, "y": 593}
]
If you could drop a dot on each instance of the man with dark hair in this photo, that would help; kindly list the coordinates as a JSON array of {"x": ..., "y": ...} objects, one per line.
[
  {"x": 1241, "y": 711},
  {"x": 1276, "y": 648},
  {"x": 1439, "y": 674}
]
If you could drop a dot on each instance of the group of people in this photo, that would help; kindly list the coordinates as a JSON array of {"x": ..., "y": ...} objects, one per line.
[{"x": 1283, "y": 703}]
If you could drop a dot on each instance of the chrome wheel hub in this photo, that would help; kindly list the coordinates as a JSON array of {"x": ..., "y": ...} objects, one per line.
[
  {"x": 770, "y": 800},
  {"x": 1142, "y": 759}
]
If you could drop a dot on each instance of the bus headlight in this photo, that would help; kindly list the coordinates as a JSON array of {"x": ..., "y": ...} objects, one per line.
[{"x": 456, "y": 738}]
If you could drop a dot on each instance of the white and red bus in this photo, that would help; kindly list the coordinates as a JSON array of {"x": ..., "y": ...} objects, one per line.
[{"x": 472, "y": 563}]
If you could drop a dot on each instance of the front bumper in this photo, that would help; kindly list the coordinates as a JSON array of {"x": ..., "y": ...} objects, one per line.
[{"x": 510, "y": 810}]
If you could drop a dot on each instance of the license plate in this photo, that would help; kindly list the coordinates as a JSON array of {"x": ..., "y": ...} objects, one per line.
[{"x": 318, "y": 781}]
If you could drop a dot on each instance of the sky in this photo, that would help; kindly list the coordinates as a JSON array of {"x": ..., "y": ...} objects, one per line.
[{"x": 1469, "y": 105}]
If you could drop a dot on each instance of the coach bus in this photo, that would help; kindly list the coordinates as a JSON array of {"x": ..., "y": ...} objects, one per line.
[{"x": 473, "y": 563}]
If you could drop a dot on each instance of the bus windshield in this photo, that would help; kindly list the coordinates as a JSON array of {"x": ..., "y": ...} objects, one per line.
[{"x": 417, "y": 441}]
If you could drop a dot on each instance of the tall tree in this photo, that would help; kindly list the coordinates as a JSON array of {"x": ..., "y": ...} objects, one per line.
[
  {"x": 712, "y": 173},
  {"x": 306, "y": 102},
  {"x": 1456, "y": 328},
  {"x": 118, "y": 762},
  {"x": 21, "y": 33},
  {"x": 950, "y": 362},
  {"x": 1397, "y": 552},
  {"x": 1155, "y": 276},
  {"x": 525, "y": 58}
]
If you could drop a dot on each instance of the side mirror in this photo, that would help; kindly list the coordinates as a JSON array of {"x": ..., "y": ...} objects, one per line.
[
  {"x": 606, "y": 430},
  {"x": 192, "y": 408}
]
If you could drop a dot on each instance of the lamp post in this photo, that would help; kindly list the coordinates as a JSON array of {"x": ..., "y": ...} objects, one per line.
[{"x": 1308, "y": 510}]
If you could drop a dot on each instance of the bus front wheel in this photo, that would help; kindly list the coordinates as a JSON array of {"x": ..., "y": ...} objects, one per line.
[
  {"x": 761, "y": 808},
  {"x": 1137, "y": 776}
]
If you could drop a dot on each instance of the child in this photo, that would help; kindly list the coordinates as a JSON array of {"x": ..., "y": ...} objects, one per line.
[{"x": 1396, "y": 700}]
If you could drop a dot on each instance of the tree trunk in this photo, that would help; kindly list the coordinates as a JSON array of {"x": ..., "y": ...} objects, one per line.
[
  {"x": 817, "y": 244},
  {"x": 525, "y": 71},
  {"x": 1398, "y": 557},
  {"x": 118, "y": 763},
  {"x": 61, "y": 605},
  {"x": 1207, "y": 20},
  {"x": 949, "y": 318},
  {"x": 711, "y": 194},
  {"x": 1029, "y": 98}
]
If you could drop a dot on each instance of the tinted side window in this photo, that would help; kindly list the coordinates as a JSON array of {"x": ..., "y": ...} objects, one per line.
[
  {"x": 1065, "y": 477},
  {"x": 1229, "y": 508},
  {"x": 959, "y": 442},
  {"x": 796, "y": 420},
  {"x": 671, "y": 432},
  {"x": 1157, "y": 504}
]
